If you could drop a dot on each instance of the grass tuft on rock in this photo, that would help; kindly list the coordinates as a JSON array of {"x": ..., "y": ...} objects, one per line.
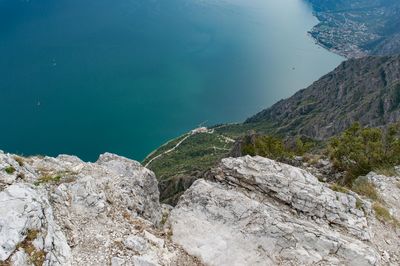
[
  {"x": 365, "y": 188},
  {"x": 386, "y": 171},
  {"x": 19, "y": 160},
  {"x": 359, "y": 203},
  {"x": 36, "y": 257},
  {"x": 383, "y": 214},
  {"x": 10, "y": 170},
  {"x": 48, "y": 179},
  {"x": 339, "y": 188}
]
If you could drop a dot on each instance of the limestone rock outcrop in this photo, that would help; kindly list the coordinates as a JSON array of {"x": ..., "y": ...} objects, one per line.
[
  {"x": 249, "y": 211},
  {"x": 63, "y": 211},
  {"x": 25, "y": 211},
  {"x": 255, "y": 211}
]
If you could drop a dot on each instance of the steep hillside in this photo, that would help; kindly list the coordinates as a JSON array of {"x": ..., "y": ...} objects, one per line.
[
  {"x": 358, "y": 28},
  {"x": 365, "y": 90}
]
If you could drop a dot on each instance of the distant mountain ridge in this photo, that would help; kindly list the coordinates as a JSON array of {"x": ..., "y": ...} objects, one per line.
[
  {"x": 365, "y": 90},
  {"x": 358, "y": 28}
]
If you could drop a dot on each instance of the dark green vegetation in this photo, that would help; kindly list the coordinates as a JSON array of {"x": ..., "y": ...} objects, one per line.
[
  {"x": 358, "y": 150},
  {"x": 358, "y": 27},
  {"x": 178, "y": 169},
  {"x": 266, "y": 146},
  {"x": 10, "y": 170},
  {"x": 274, "y": 147},
  {"x": 365, "y": 90}
]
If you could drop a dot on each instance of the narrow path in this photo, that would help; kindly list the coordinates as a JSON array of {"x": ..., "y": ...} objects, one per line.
[
  {"x": 168, "y": 151},
  {"x": 227, "y": 139},
  {"x": 188, "y": 135}
]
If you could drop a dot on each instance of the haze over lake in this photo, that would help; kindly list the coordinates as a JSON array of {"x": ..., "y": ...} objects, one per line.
[{"x": 88, "y": 76}]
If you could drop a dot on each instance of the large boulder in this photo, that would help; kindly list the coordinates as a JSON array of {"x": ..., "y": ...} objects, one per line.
[
  {"x": 297, "y": 188},
  {"x": 260, "y": 212}
]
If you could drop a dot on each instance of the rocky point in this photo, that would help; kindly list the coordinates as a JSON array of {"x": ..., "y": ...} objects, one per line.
[{"x": 247, "y": 211}]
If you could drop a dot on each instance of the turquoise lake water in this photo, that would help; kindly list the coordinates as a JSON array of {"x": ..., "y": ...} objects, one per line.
[{"x": 87, "y": 76}]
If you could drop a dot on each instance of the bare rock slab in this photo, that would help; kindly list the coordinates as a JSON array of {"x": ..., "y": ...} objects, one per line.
[{"x": 260, "y": 212}]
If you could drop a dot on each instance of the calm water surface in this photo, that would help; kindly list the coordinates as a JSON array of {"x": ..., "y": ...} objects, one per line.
[{"x": 88, "y": 76}]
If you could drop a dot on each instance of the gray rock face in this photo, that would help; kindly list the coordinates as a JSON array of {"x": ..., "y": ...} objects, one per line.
[
  {"x": 384, "y": 235},
  {"x": 296, "y": 188},
  {"x": 18, "y": 172},
  {"x": 253, "y": 211},
  {"x": 24, "y": 209},
  {"x": 389, "y": 190},
  {"x": 261, "y": 212},
  {"x": 103, "y": 213}
]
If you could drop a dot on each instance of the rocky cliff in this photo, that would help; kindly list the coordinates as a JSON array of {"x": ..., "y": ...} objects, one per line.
[
  {"x": 365, "y": 90},
  {"x": 249, "y": 211},
  {"x": 63, "y": 211}
]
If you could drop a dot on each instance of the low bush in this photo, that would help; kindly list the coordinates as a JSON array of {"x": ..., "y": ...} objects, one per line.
[
  {"x": 274, "y": 147},
  {"x": 266, "y": 146},
  {"x": 360, "y": 150},
  {"x": 10, "y": 170},
  {"x": 303, "y": 145}
]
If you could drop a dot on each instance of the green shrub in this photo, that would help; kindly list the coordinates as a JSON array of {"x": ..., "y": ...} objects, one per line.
[
  {"x": 266, "y": 146},
  {"x": 274, "y": 147},
  {"x": 10, "y": 170},
  {"x": 360, "y": 150},
  {"x": 392, "y": 145},
  {"x": 303, "y": 146}
]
